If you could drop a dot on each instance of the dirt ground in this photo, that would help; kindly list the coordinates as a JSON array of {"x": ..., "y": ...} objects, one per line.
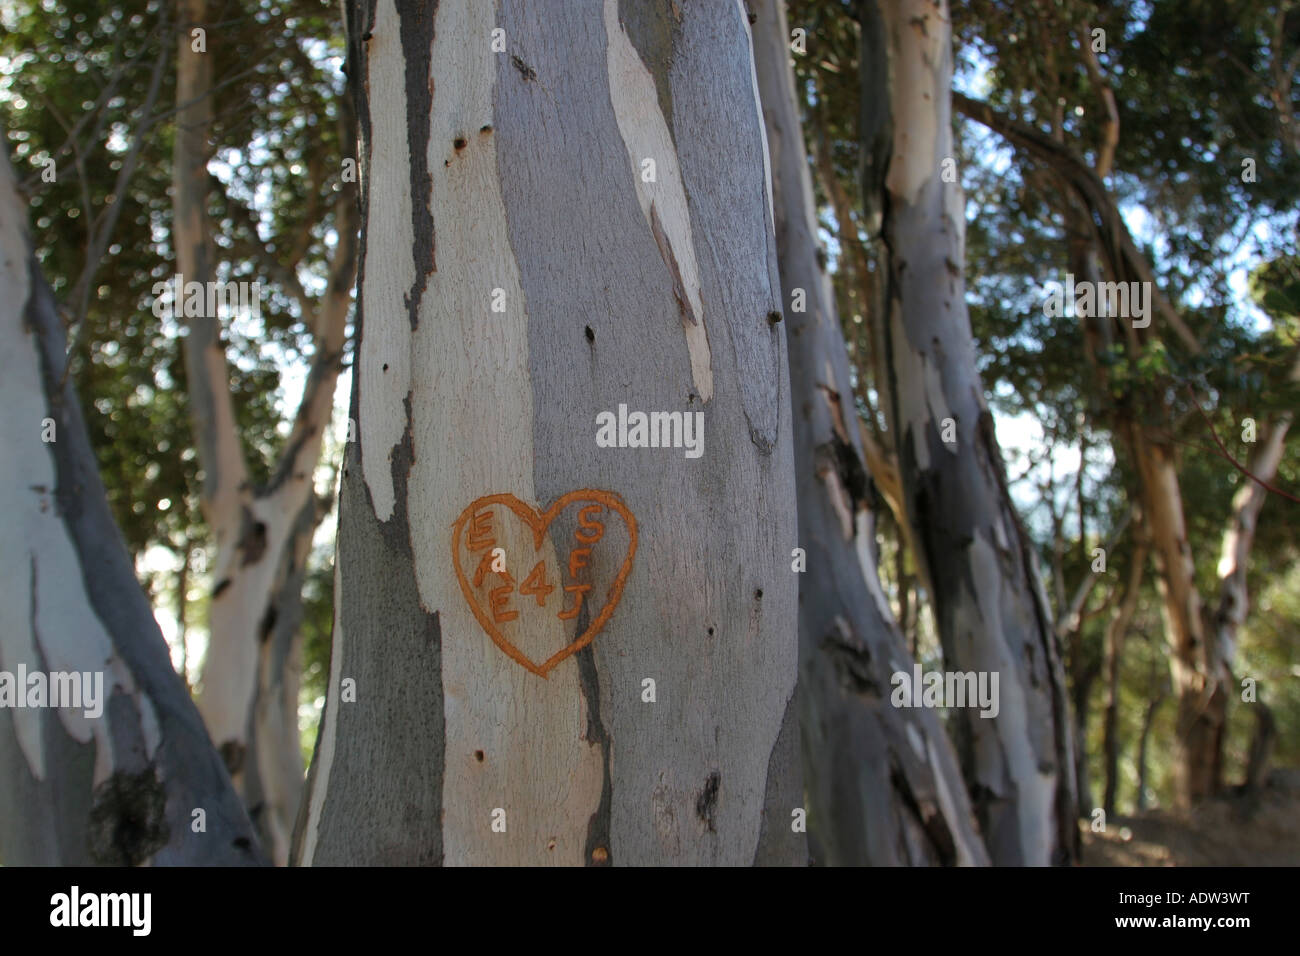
[{"x": 1233, "y": 831}]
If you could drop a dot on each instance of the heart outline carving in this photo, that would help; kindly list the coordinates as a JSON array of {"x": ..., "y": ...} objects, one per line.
[{"x": 539, "y": 522}]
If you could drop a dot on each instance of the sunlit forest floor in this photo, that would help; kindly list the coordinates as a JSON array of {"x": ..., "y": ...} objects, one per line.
[{"x": 1233, "y": 831}]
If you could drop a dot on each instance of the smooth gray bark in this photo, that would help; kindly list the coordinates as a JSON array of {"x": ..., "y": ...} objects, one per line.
[
  {"x": 883, "y": 783},
  {"x": 120, "y": 787},
  {"x": 517, "y": 178},
  {"x": 989, "y": 602}
]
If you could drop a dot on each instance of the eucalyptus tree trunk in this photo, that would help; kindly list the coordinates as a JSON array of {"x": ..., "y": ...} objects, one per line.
[
  {"x": 883, "y": 783},
  {"x": 112, "y": 766},
  {"x": 1201, "y": 638},
  {"x": 257, "y": 529},
  {"x": 989, "y": 602},
  {"x": 547, "y": 649},
  {"x": 1117, "y": 629},
  {"x": 1233, "y": 603},
  {"x": 273, "y": 785}
]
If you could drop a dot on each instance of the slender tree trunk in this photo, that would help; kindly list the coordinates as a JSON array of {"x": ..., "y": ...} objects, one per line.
[
  {"x": 989, "y": 603},
  {"x": 1148, "y": 721},
  {"x": 1200, "y": 658},
  {"x": 1234, "y": 596},
  {"x": 524, "y": 270},
  {"x": 1116, "y": 631},
  {"x": 117, "y": 776},
  {"x": 1201, "y": 704},
  {"x": 1081, "y": 692},
  {"x": 274, "y": 785},
  {"x": 182, "y": 611},
  {"x": 256, "y": 529},
  {"x": 883, "y": 783}
]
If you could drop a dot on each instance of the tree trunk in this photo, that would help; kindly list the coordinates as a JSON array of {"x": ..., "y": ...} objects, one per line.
[
  {"x": 1201, "y": 705},
  {"x": 1148, "y": 721},
  {"x": 1116, "y": 631},
  {"x": 256, "y": 529},
  {"x": 274, "y": 784},
  {"x": 1081, "y": 693},
  {"x": 121, "y": 786},
  {"x": 1234, "y": 595},
  {"x": 883, "y": 783},
  {"x": 523, "y": 271},
  {"x": 1199, "y": 660},
  {"x": 989, "y": 603}
]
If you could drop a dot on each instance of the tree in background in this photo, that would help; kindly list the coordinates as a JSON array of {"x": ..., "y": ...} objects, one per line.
[
  {"x": 992, "y": 613},
  {"x": 125, "y": 774},
  {"x": 262, "y": 531},
  {"x": 262, "y": 149},
  {"x": 883, "y": 782}
]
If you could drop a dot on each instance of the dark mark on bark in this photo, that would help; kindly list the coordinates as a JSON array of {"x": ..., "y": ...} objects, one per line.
[
  {"x": 127, "y": 823},
  {"x": 706, "y": 804},
  {"x": 417, "y": 33},
  {"x": 851, "y": 659},
  {"x": 927, "y": 814},
  {"x": 251, "y": 544},
  {"x": 839, "y": 456},
  {"x": 268, "y": 624},
  {"x": 221, "y": 586},
  {"x": 596, "y": 849},
  {"x": 232, "y": 753},
  {"x": 526, "y": 71}
]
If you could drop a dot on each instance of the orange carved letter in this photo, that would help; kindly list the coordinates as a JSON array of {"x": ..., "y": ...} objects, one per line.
[
  {"x": 497, "y": 597},
  {"x": 590, "y": 525},
  {"x": 574, "y": 563},
  {"x": 480, "y": 531},
  {"x": 580, "y": 590}
]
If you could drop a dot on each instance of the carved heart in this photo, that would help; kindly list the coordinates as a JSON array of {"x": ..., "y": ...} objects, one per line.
[{"x": 472, "y": 517}]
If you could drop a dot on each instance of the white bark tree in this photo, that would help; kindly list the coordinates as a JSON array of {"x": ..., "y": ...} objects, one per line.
[
  {"x": 990, "y": 606},
  {"x": 120, "y": 786},
  {"x": 1201, "y": 635},
  {"x": 245, "y": 692},
  {"x": 565, "y": 208},
  {"x": 883, "y": 783}
]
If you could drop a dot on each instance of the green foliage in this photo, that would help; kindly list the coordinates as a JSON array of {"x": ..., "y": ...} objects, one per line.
[{"x": 75, "y": 68}]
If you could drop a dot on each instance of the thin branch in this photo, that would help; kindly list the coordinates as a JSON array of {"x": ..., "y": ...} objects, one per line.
[
  {"x": 1224, "y": 453},
  {"x": 95, "y": 253}
]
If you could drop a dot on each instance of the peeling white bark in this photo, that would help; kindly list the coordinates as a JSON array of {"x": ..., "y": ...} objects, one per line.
[
  {"x": 882, "y": 782},
  {"x": 117, "y": 786},
  {"x": 534, "y": 189},
  {"x": 646, "y": 134},
  {"x": 990, "y": 605},
  {"x": 256, "y": 530}
]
